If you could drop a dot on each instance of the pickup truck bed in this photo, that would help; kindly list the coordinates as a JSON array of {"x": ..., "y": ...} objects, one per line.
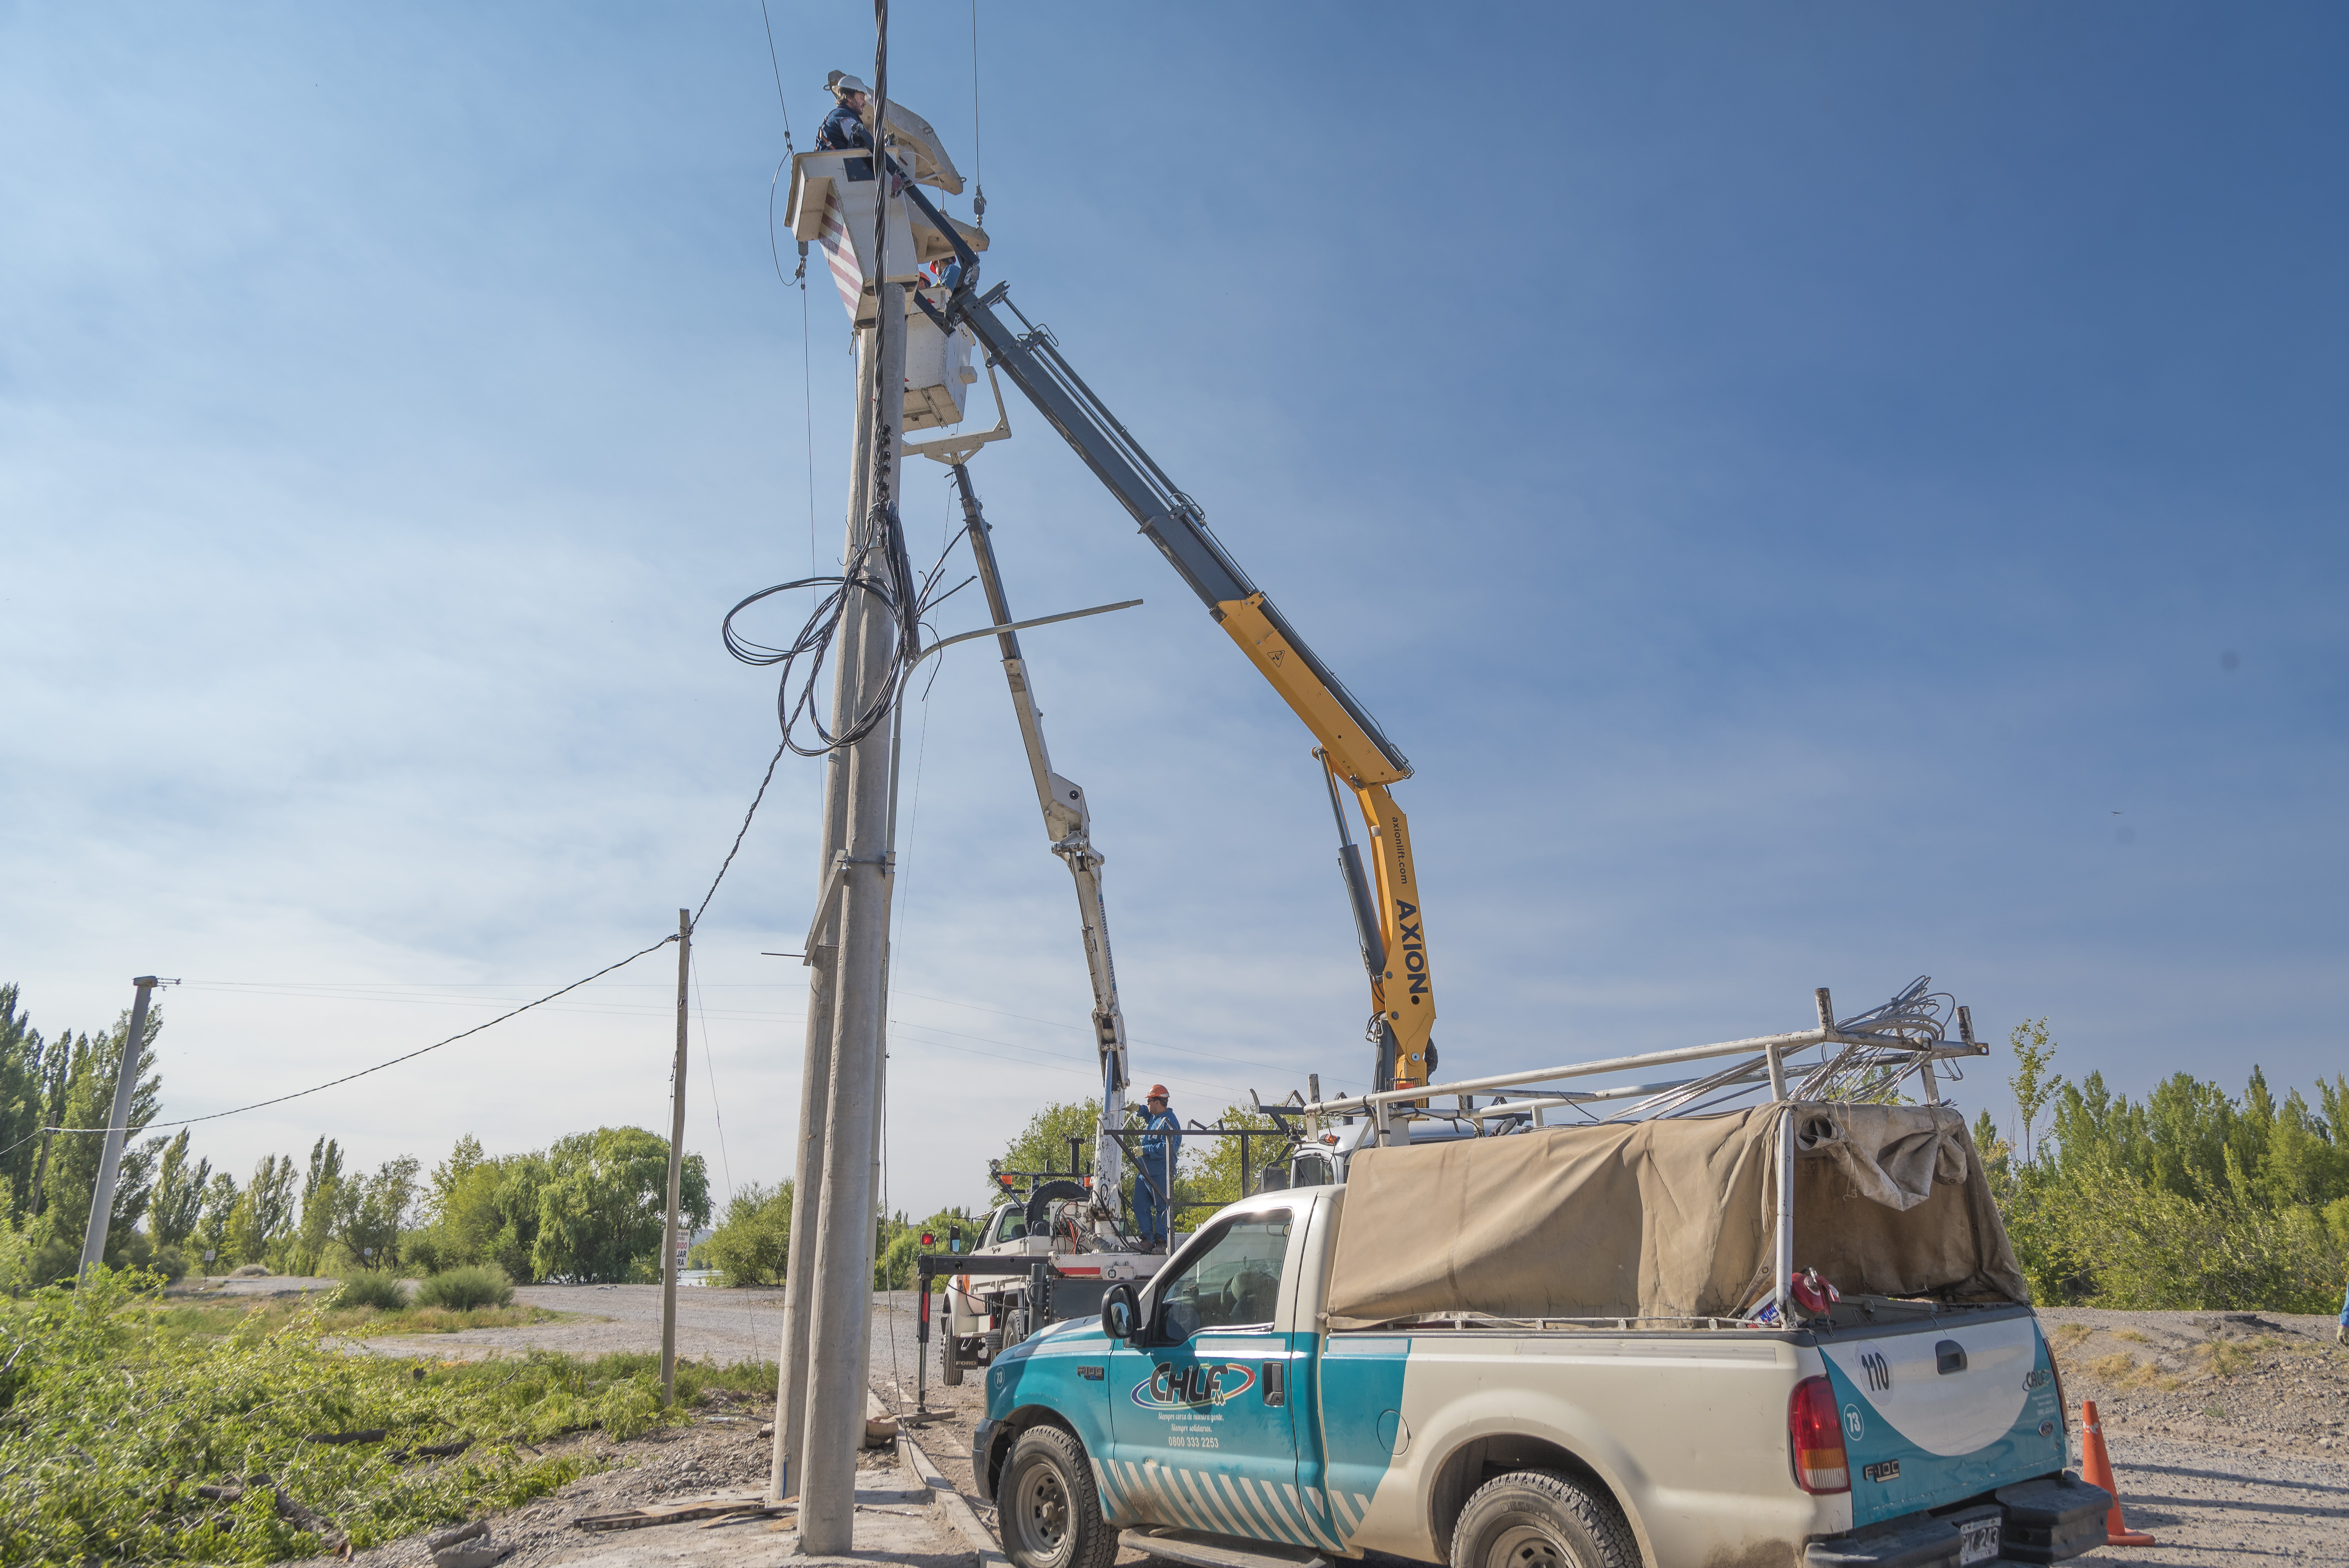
[{"x": 1231, "y": 1418}]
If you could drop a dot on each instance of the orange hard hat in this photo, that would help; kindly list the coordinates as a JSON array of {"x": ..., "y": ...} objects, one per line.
[{"x": 1157, "y": 1091}]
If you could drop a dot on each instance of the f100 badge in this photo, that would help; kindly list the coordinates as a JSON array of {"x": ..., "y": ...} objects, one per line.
[{"x": 1171, "y": 1388}]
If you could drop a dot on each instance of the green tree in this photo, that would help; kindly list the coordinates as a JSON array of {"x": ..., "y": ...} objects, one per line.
[
  {"x": 2033, "y": 1084},
  {"x": 449, "y": 1175},
  {"x": 322, "y": 1206},
  {"x": 1043, "y": 1143},
  {"x": 32, "y": 1086},
  {"x": 1216, "y": 1176},
  {"x": 211, "y": 1229},
  {"x": 372, "y": 1210},
  {"x": 753, "y": 1242},
  {"x": 179, "y": 1201},
  {"x": 264, "y": 1211},
  {"x": 601, "y": 1210}
]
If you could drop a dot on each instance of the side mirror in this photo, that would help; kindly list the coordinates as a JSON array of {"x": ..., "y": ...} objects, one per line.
[{"x": 1121, "y": 1316}]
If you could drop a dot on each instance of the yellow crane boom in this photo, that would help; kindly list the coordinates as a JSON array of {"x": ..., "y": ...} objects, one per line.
[{"x": 1389, "y": 911}]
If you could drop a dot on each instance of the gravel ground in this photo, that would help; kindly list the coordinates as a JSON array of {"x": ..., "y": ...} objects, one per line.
[
  {"x": 2271, "y": 1382},
  {"x": 720, "y": 1453},
  {"x": 724, "y": 1326}
]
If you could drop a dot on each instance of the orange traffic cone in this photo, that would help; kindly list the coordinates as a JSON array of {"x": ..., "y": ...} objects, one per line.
[{"x": 2098, "y": 1466}]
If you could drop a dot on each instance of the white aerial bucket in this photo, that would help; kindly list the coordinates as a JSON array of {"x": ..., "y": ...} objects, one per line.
[
  {"x": 938, "y": 373},
  {"x": 829, "y": 207}
]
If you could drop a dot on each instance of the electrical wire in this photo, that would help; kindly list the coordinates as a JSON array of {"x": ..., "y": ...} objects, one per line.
[
  {"x": 724, "y": 865},
  {"x": 978, "y": 154},
  {"x": 891, "y": 586},
  {"x": 710, "y": 1072},
  {"x": 395, "y": 1061}
]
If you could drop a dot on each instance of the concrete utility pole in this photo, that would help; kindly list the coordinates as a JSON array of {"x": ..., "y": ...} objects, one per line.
[
  {"x": 676, "y": 1165},
  {"x": 822, "y": 961},
  {"x": 841, "y": 1302},
  {"x": 109, "y": 1165},
  {"x": 840, "y": 1298}
]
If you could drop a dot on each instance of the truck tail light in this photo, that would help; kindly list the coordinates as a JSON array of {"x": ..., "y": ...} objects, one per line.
[{"x": 1816, "y": 1434}]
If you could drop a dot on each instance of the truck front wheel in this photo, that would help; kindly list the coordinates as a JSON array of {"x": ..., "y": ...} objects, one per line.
[
  {"x": 1540, "y": 1519},
  {"x": 949, "y": 1364},
  {"x": 1047, "y": 1508}
]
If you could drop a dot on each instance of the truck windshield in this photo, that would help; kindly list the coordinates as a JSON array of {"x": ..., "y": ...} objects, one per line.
[{"x": 1234, "y": 1283}]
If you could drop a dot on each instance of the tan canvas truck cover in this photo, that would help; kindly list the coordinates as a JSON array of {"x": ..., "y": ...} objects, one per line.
[{"x": 1668, "y": 1219}]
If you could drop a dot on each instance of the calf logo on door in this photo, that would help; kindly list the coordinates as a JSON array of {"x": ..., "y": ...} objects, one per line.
[{"x": 1170, "y": 1387}]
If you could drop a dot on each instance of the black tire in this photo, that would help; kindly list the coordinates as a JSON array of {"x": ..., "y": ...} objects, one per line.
[
  {"x": 1540, "y": 1519},
  {"x": 949, "y": 1364},
  {"x": 1015, "y": 1327},
  {"x": 1046, "y": 1507}
]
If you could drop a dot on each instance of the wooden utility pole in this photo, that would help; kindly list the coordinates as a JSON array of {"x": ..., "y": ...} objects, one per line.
[
  {"x": 118, "y": 1126},
  {"x": 676, "y": 1165}
]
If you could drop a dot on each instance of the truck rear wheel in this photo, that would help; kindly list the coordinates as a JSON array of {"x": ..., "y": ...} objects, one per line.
[
  {"x": 1046, "y": 1507},
  {"x": 1540, "y": 1519},
  {"x": 949, "y": 1364}
]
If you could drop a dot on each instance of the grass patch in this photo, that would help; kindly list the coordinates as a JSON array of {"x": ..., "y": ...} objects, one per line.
[
  {"x": 2224, "y": 1357},
  {"x": 2069, "y": 1335},
  {"x": 697, "y": 1381},
  {"x": 116, "y": 1411},
  {"x": 2124, "y": 1371},
  {"x": 2132, "y": 1335},
  {"x": 215, "y": 1319}
]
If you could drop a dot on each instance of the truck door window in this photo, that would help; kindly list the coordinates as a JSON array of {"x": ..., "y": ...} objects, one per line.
[
  {"x": 1234, "y": 1283},
  {"x": 1012, "y": 1225}
]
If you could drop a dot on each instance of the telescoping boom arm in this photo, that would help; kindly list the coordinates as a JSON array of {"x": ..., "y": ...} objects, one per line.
[
  {"x": 1356, "y": 753},
  {"x": 1070, "y": 822}
]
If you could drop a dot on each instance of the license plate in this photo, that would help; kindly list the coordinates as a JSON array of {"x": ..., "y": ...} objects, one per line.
[{"x": 1977, "y": 1540}]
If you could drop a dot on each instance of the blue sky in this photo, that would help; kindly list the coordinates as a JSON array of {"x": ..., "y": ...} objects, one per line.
[{"x": 1822, "y": 495}]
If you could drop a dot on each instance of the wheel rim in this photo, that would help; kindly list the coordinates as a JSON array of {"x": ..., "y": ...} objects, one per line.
[
  {"x": 1528, "y": 1546},
  {"x": 1042, "y": 1511}
]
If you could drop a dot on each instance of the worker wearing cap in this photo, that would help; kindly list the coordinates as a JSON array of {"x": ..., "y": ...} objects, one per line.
[
  {"x": 1161, "y": 1144},
  {"x": 844, "y": 127}
]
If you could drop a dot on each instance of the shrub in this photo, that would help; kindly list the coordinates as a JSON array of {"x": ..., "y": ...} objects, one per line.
[
  {"x": 372, "y": 1287},
  {"x": 462, "y": 1289}
]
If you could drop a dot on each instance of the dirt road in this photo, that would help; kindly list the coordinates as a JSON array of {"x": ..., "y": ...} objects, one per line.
[{"x": 723, "y": 1326}]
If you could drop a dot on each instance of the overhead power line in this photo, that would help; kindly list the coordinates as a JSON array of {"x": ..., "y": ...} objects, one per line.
[{"x": 409, "y": 1057}]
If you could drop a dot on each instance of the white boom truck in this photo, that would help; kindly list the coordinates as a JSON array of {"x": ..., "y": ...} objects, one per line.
[{"x": 1608, "y": 1344}]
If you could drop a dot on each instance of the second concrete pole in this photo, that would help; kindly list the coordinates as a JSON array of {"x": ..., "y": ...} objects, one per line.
[{"x": 842, "y": 1305}]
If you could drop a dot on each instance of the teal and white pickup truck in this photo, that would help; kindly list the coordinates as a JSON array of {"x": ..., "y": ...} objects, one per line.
[{"x": 1404, "y": 1365}]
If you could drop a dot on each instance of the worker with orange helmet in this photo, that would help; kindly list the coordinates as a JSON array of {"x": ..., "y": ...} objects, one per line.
[{"x": 1154, "y": 1181}]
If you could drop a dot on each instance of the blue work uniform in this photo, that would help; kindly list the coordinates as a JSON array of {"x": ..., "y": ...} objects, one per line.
[
  {"x": 1161, "y": 1145},
  {"x": 844, "y": 128}
]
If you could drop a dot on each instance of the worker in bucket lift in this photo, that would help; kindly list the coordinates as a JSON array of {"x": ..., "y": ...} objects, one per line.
[
  {"x": 844, "y": 127},
  {"x": 1160, "y": 1143}
]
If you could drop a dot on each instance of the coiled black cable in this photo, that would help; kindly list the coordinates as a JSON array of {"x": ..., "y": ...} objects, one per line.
[{"x": 881, "y": 572}]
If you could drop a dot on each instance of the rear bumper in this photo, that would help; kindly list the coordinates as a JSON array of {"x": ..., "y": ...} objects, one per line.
[{"x": 2051, "y": 1519}]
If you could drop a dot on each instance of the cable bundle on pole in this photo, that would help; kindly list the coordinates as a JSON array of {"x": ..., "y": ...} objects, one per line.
[{"x": 880, "y": 569}]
